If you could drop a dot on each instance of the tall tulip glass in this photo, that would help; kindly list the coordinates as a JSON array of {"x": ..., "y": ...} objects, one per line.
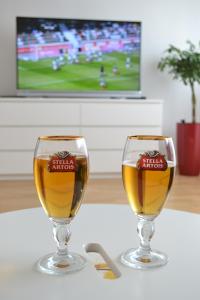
[
  {"x": 61, "y": 172},
  {"x": 148, "y": 171}
]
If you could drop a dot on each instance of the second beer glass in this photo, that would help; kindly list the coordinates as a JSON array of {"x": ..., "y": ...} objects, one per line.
[{"x": 148, "y": 172}]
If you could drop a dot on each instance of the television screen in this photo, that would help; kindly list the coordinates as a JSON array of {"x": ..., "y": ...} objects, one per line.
[{"x": 74, "y": 56}]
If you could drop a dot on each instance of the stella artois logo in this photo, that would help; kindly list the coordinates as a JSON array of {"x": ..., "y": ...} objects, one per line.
[
  {"x": 62, "y": 162},
  {"x": 152, "y": 160}
]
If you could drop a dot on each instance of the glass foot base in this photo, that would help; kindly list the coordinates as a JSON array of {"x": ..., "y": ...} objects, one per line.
[
  {"x": 56, "y": 265},
  {"x": 135, "y": 259}
]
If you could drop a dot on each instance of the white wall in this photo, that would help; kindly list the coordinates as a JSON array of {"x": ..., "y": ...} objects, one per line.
[{"x": 164, "y": 22}]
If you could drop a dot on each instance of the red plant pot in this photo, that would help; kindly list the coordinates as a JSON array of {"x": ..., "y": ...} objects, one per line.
[{"x": 188, "y": 148}]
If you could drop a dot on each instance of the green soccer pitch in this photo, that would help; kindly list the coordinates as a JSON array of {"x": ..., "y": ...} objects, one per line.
[{"x": 84, "y": 76}]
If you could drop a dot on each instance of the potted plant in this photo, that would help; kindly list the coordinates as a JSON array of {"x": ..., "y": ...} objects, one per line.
[{"x": 185, "y": 65}]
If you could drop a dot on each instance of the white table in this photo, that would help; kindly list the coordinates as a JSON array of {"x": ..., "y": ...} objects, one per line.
[{"x": 27, "y": 235}]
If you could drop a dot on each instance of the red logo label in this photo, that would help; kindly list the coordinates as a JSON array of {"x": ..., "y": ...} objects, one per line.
[
  {"x": 62, "y": 162},
  {"x": 152, "y": 160}
]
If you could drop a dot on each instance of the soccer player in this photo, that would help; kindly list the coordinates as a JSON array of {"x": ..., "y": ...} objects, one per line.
[
  {"x": 102, "y": 81},
  {"x": 115, "y": 70},
  {"x": 61, "y": 57},
  {"x": 128, "y": 62},
  {"x": 55, "y": 64}
]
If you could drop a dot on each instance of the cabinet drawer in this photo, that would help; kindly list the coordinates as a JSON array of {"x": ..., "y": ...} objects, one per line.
[
  {"x": 115, "y": 137},
  {"x": 39, "y": 114},
  {"x": 24, "y": 138},
  {"x": 105, "y": 161},
  {"x": 124, "y": 114},
  {"x": 16, "y": 163},
  {"x": 22, "y": 162}
]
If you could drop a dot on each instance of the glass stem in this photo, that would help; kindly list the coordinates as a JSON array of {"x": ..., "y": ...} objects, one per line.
[
  {"x": 61, "y": 233},
  {"x": 145, "y": 231}
]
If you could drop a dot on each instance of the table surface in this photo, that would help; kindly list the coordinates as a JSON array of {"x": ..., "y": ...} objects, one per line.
[{"x": 26, "y": 235}]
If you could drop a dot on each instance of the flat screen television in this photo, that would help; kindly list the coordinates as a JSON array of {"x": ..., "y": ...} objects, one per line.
[{"x": 73, "y": 57}]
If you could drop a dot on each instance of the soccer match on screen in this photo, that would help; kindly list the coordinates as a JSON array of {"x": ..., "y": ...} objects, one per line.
[{"x": 78, "y": 55}]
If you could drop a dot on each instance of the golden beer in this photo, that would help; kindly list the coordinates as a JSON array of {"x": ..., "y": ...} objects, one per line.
[
  {"x": 60, "y": 193},
  {"x": 147, "y": 190}
]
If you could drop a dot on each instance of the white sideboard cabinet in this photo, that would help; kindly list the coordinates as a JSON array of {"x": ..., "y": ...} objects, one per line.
[{"x": 104, "y": 123}]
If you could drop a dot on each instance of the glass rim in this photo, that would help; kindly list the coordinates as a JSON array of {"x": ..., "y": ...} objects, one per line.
[
  {"x": 60, "y": 137},
  {"x": 148, "y": 137}
]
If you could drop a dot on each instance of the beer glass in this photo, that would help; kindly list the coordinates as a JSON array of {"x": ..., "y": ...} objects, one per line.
[
  {"x": 147, "y": 171},
  {"x": 61, "y": 172}
]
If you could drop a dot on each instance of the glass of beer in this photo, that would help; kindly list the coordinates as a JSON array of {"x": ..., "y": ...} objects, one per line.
[
  {"x": 147, "y": 171},
  {"x": 61, "y": 173}
]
